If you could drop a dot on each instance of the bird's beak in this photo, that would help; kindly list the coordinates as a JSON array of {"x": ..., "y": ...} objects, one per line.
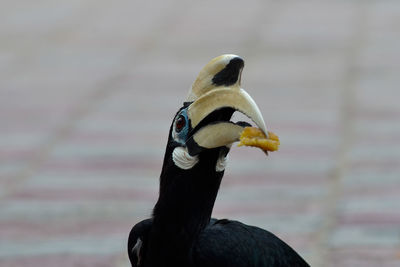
[
  {"x": 222, "y": 133},
  {"x": 217, "y": 88}
]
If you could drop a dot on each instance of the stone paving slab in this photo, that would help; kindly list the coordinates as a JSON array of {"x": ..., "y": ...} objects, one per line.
[{"x": 88, "y": 90}]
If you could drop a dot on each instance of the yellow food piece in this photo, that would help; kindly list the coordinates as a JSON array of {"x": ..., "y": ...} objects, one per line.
[{"x": 252, "y": 136}]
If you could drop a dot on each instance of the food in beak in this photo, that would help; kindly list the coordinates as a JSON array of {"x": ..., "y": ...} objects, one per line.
[{"x": 252, "y": 136}]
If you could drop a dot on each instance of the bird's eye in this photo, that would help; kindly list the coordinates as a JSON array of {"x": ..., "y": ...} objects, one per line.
[{"x": 179, "y": 123}]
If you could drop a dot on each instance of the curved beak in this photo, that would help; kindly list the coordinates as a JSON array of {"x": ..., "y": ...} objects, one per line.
[
  {"x": 223, "y": 133},
  {"x": 214, "y": 98}
]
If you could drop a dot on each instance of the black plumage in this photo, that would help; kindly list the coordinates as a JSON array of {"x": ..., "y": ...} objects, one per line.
[{"x": 181, "y": 231}]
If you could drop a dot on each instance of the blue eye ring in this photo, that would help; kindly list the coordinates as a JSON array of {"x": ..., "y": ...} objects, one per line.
[
  {"x": 180, "y": 123},
  {"x": 181, "y": 127}
]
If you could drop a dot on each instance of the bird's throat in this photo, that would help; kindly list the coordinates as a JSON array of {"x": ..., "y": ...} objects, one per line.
[{"x": 184, "y": 207}]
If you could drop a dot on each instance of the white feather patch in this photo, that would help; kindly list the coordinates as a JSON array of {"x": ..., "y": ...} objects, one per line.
[
  {"x": 182, "y": 159},
  {"x": 136, "y": 249},
  {"x": 221, "y": 163}
]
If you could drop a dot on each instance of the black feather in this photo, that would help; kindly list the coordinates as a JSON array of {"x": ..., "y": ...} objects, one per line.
[
  {"x": 231, "y": 243},
  {"x": 227, "y": 243}
]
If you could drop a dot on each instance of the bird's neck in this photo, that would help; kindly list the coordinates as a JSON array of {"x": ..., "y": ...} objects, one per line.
[{"x": 184, "y": 207}]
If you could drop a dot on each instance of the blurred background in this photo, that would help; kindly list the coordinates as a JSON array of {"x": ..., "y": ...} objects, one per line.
[{"x": 88, "y": 90}]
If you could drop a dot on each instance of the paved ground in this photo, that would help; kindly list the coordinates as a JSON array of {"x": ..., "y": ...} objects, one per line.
[{"x": 88, "y": 90}]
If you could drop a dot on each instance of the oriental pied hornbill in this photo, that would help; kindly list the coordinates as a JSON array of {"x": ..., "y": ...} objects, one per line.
[{"x": 181, "y": 231}]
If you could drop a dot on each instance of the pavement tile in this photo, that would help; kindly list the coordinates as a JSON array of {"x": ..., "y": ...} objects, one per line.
[
  {"x": 62, "y": 259},
  {"x": 88, "y": 90}
]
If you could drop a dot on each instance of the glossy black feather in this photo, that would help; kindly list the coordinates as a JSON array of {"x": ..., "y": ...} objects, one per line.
[
  {"x": 139, "y": 231},
  {"x": 231, "y": 243},
  {"x": 226, "y": 243}
]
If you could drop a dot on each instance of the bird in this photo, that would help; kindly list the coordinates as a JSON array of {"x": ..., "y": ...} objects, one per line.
[{"x": 180, "y": 230}]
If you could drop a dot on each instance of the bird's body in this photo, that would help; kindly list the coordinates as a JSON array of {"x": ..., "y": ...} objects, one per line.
[
  {"x": 181, "y": 231},
  {"x": 237, "y": 244}
]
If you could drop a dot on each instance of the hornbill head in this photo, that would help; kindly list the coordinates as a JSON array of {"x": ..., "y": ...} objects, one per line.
[{"x": 203, "y": 123}]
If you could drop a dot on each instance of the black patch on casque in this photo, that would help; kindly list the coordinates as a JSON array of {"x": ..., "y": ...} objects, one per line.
[{"x": 230, "y": 74}]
